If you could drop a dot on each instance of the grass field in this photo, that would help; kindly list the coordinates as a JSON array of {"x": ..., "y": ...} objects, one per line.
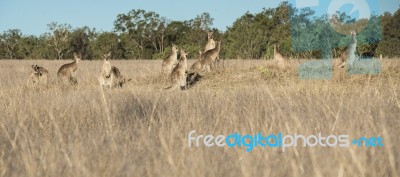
[{"x": 141, "y": 130}]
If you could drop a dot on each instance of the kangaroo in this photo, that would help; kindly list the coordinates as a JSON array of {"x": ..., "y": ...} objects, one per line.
[
  {"x": 169, "y": 62},
  {"x": 351, "y": 50},
  {"x": 114, "y": 78},
  {"x": 178, "y": 75},
  {"x": 208, "y": 58},
  {"x": 38, "y": 76},
  {"x": 210, "y": 42},
  {"x": 191, "y": 80},
  {"x": 106, "y": 71},
  {"x": 211, "y": 45},
  {"x": 67, "y": 72},
  {"x": 278, "y": 57}
]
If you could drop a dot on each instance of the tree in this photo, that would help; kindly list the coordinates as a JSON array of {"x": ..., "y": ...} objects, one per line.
[
  {"x": 107, "y": 42},
  {"x": 9, "y": 43},
  {"x": 80, "y": 41},
  {"x": 252, "y": 35},
  {"x": 145, "y": 29},
  {"x": 59, "y": 38},
  {"x": 198, "y": 28}
]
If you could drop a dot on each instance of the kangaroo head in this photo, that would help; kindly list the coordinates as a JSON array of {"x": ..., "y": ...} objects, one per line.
[
  {"x": 34, "y": 67},
  {"x": 183, "y": 54},
  {"x": 37, "y": 70},
  {"x": 106, "y": 56},
  {"x": 209, "y": 34},
  {"x": 77, "y": 57},
  {"x": 174, "y": 48}
]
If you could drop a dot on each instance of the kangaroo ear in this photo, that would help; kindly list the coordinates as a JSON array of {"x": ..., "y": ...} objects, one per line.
[{"x": 106, "y": 56}]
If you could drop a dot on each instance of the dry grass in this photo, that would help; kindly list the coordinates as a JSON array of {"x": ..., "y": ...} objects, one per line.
[{"x": 140, "y": 130}]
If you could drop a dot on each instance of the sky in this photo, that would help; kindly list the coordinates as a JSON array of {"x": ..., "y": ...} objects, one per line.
[{"x": 32, "y": 16}]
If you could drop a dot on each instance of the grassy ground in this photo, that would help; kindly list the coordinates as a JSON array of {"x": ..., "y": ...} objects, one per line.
[{"x": 141, "y": 130}]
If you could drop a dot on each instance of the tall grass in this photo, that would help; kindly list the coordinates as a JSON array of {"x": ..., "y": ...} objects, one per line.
[{"x": 140, "y": 130}]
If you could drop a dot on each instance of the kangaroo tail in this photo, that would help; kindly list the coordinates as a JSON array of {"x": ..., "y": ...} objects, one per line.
[{"x": 171, "y": 88}]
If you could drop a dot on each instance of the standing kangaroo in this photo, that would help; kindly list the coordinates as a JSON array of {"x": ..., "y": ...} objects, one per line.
[
  {"x": 169, "y": 62},
  {"x": 67, "y": 72},
  {"x": 106, "y": 70},
  {"x": 38, "y": 76},
  {"x": 278, "y": 57},
  {"x": 210, "y": 42},
  {"x": 178, "y": 75},
  {"x": 211, "y": 45},
  {"x": 351, "y": 50},
  {"x": 110, "y": 75},
  {"x": 209, "y": 57},
  {"x": 348, "y": 53}
]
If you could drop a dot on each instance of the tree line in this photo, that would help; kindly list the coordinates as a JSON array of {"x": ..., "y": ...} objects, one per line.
[{"x": 140, "y": 34}]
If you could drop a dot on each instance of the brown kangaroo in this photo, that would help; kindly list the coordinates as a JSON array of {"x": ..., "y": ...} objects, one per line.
[
  {"x": 38, "y": 76},
  {"x": 67, "y": 72},
  {"x": 278, "y": 57},
  {"x": 169, "y": 62},
  {"x": 209, "y": 57},
  {"x": 178, "y": 75},
  {"x": 210, "y": 42}
]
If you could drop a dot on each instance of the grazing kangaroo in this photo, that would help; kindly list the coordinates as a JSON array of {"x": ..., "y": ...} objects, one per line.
[
  {"x": 38, "y": 76},
  {"x": 169, "y": 62},
  {"x": 278, "y": 57},
  {"x": 178, "y": 75},
  {"x": 67, "y": 72},
  {"x": 209, "y": 57},
  {"x": 210, "y": 42}
]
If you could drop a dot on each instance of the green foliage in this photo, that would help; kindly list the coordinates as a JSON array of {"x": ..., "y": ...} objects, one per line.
[
  {"x": 10, "y": 43},
  {"x": 140, "y": 34},
  {"x": 252, "y": 35},
  {"x": 389, "y": 48}
]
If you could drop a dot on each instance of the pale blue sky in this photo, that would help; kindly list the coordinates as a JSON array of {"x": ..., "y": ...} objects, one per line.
[{"x": 32, "y": 16}]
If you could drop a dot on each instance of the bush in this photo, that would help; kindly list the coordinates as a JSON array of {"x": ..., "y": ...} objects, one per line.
[{"x": 389, "y": 48}]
